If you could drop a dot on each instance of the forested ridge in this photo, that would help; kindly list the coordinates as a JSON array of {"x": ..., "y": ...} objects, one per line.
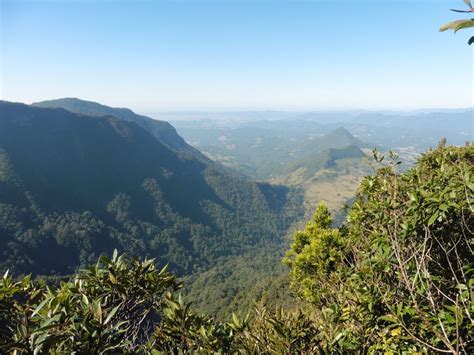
[
  {"x": 79, "y": 186},
  {"x": 161, "y": 130},
  {"x": 396, "y": 277}
]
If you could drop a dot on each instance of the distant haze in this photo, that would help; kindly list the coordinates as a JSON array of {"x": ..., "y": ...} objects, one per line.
[{"x": 328, "y": 115}]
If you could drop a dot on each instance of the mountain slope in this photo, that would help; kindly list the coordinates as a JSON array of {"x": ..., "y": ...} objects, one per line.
[
  {"x": 335, "y": 139},
  {"x": 265, "y": 150},
  {"x": 162, "y": 130},
  {"x": 74, "y": 186},
  {"x": 325, "y": 159}
]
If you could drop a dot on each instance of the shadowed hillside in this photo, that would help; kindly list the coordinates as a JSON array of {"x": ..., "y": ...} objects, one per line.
[
  {"x": 161, "y": 130},
  {"x": 79, "y": 185}
]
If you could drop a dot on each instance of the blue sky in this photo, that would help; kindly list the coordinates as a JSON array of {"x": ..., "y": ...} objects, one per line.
[{"x": 236, "y": 55}]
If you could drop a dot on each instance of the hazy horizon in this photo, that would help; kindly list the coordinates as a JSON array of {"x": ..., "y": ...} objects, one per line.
[{"x": 281, "y": 111}]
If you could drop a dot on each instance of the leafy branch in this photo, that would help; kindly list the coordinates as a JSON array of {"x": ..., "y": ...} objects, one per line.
[{"x": 461, "y": 24}]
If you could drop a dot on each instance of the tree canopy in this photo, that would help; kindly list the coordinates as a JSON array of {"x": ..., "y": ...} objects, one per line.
[{"x": 396, "y": 277}]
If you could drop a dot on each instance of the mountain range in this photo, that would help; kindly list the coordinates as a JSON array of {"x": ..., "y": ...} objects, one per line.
[
  {"x": 77, "y": 184},
  {"x": 161, "y": 130},
  {"x": 267, "y": 150},
  {"x": 78, "y": 179}
]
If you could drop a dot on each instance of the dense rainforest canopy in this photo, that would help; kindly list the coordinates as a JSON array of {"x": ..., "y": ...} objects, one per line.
[
  {"x": 79, "y": 186},
  {"x": 396, "y": 277}
]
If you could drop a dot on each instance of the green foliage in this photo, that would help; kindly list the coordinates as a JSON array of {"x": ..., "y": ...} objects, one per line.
[
  {"x": 315, "y": 254},
  {"x": 115, "y": 184},
  {"x": 457, "y": 25},
  {"x": 399, "y": 274},
  {"x": 106, "y": 308},
  {"x": 237, "y": 284},
  {"x": 394, "y": 279},
  {"x": 123, "y": 305},
  {"x": 461, "y": 24}
]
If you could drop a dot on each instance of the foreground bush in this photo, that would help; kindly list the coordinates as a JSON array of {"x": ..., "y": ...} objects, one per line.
[
  {"x": 109, "y": 307},
  {"x": 400, "y": 274},
  {"x": 122, "y": 305},
  {"x": 396, "y": 278}
]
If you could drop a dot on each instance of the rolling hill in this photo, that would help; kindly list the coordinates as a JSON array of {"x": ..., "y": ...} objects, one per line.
[
  {"x": 266, "y": 149},
  {"x": 308, "y": 166}
]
